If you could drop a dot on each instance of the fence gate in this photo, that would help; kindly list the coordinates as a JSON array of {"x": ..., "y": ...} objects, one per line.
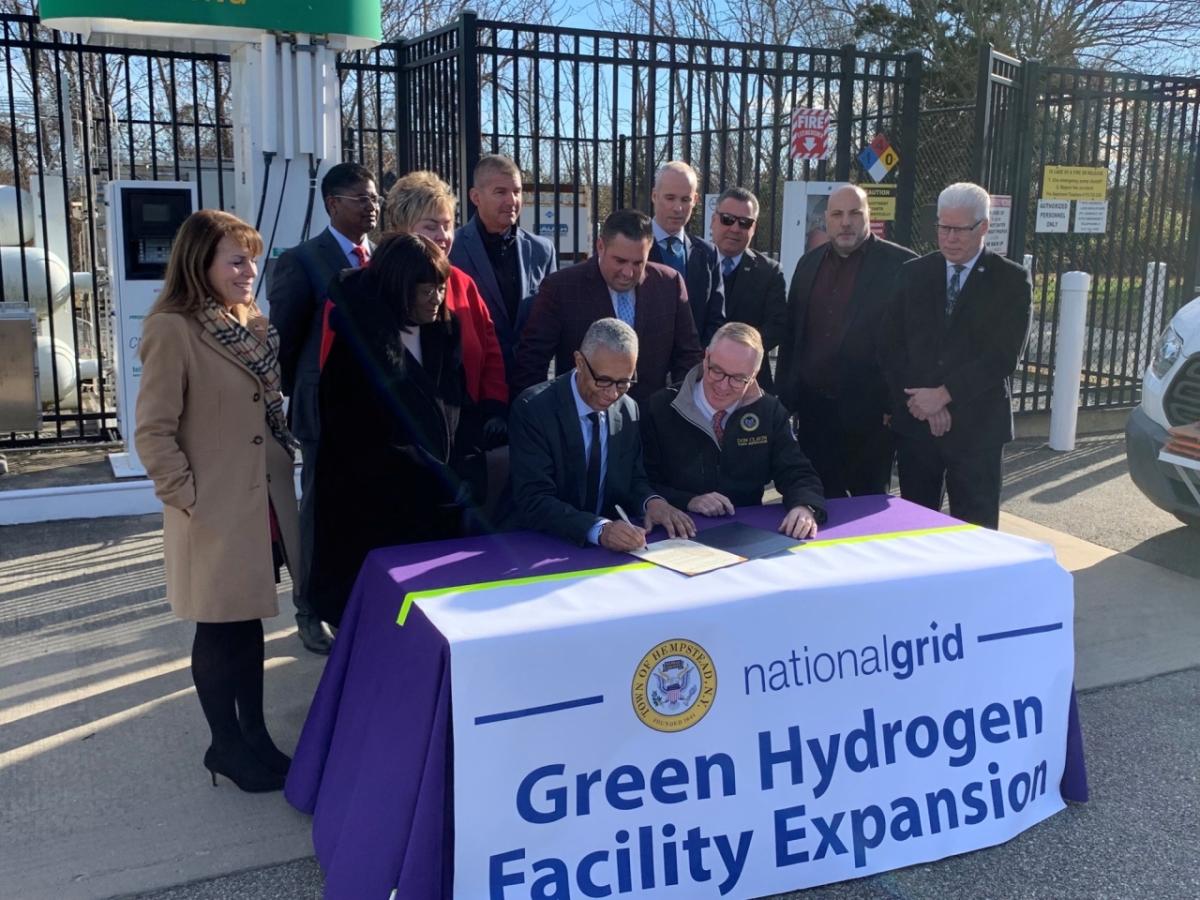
[{"x": 1143, "y": 132}]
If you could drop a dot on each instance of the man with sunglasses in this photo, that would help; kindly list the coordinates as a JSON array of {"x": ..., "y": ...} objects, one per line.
[
  {"x": 828, "y": 373},
  {"x": 715, "y": 441},
  {"x": 576, "y": 451},
  {"x": 755, "y": 289},
  {"x": 954, "y": 335},
  {"x": 297, "y": 286}
]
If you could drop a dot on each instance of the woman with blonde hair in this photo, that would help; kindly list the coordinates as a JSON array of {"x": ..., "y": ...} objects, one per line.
[{"x": 212, "y": 436}]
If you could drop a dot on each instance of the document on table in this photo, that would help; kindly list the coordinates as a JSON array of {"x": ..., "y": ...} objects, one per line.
[{"x": 687, "y": 557}]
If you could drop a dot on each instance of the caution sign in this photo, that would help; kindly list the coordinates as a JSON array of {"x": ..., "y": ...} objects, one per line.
[
  {"x": 879, "y": 158},
  {"x": 1074, "y": 183},
  {"x": 810, "y": 133},
  {"x": 882, "y": 199}
]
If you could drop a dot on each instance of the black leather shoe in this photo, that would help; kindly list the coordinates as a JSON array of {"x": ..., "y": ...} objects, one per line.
[{"x": 313, "y": 635}]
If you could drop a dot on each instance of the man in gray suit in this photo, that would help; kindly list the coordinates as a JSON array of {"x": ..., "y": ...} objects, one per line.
[
  {"x": 506, "y": 261},
  {"x": 576, "y": 450},
  {"x": 297, "y": 291},
  {"x": 755, "y": 289}
]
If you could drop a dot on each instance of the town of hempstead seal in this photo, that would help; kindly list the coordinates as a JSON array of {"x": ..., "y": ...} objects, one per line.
[{"x": 674, "y": 685}]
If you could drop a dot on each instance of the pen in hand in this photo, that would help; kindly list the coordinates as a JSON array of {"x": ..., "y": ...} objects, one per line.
[{"x": 625, "y": 519}]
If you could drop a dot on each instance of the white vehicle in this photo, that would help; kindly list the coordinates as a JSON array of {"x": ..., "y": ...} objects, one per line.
[{"x": 1170, "y": 397}]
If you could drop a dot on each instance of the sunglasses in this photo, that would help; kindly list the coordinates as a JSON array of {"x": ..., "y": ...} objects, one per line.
[{"x": 727, "y": 220}]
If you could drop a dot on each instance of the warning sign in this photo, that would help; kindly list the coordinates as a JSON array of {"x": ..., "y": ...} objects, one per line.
[
  {"x": 999, "y": 223},
  {"x": 879, "y": 158},
  {"x": 810, "y": 133},
  {"x": 1074, "y": 182},
  {"x": 882, "y": 200},
  {"x": 1053, "y": 216}
]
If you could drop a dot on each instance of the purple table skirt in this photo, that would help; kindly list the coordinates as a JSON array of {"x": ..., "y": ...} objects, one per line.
[{"x": 374, "y": 766}]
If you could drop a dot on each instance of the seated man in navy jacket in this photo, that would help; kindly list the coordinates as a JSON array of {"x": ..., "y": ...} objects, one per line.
[
  {"x": 576, "y": 452},
  {"x": 713, "y": 442}
]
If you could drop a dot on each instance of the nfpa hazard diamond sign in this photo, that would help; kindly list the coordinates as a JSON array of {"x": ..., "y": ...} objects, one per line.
[
  {"x": 878, "y": 158},
  {"x": 810, "y": 133}
]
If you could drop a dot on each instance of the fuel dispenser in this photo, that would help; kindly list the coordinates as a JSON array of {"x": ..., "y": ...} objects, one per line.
[{"x": 143, "y": 219}]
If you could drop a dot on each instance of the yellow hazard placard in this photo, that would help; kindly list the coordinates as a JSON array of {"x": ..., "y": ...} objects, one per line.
[
  {"x": 889, "y": 158},
  {"x": 882, "y": 199},
  {"x": 1074, "y": 183}
]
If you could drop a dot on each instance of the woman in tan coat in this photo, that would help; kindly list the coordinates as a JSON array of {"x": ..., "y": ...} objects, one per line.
[{"x": 211, "y": 433}]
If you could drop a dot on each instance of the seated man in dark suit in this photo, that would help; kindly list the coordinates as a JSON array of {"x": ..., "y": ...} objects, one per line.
[
  {"x": 618, "y": 281},
  {"x": 713, "y": 442},
  {"x": 506, "y": 262},
  {"x": 674, "y": 197},
  {"x": 954, "y": 335},
  {"x": 755, "y": 289},
  {"x": 576, "y": 452}
]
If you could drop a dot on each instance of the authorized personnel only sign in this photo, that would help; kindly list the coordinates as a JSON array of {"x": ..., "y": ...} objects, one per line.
[{"x": 785, "y": 723}]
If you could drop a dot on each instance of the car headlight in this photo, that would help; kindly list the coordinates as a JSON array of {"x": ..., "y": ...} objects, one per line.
[{"x": 1166, "y": 351}]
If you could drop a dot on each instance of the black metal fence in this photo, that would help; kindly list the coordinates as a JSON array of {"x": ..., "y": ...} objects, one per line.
[
  {"x": 72, "y": 118},
  {"x": 589, "y": 116},
  {"x": 1144, "y": 132}
]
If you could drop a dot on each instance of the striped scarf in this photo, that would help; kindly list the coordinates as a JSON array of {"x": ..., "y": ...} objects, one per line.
[{"x": 257, "y": 347}]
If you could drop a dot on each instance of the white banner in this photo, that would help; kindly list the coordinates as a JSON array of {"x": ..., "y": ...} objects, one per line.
[{"x": 849, "y": 709}]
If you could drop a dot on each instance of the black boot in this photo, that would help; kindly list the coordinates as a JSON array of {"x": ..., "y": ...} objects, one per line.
[
  {"x": 217, "y": 653},
  {"x": 249, "y": 693}
]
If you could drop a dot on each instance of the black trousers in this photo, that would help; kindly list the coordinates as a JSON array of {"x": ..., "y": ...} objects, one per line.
[
  {"x": 853, "y": 460},
  {"x": 929, "y": 469}
]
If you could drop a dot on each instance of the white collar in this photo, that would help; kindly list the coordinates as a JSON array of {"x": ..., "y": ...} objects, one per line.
[
  {"x": 968, "y": 265},
  {"x": 661, "y": 234}
]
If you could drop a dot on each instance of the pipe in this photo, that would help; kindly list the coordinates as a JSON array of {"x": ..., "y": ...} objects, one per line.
[
  {"x": 269, "y": 113},
  {"x": 304, "y": 90},
  {"x": 287, "y": 99}
]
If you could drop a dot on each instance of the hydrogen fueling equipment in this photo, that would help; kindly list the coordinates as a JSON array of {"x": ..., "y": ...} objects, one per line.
[
  {"x": 143, "y": 219},
  {"x": 286, "y": 111}
]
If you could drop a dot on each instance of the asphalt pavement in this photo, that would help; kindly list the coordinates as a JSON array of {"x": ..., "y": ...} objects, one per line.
[{"x": 102, "y": 793}]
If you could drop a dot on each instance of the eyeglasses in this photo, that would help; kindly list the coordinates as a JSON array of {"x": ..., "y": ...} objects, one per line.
[
  {"x": 431, "y": 291},
  {"x": 727, "y": 220},
  {"x": 957, "y": 229},
  {"x": 361, "y": 199},
  {"x": 604, "y": 382},
  {"x": 717, "y": 375}
]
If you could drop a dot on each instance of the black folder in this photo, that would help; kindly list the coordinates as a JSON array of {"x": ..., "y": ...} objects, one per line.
[{"x": 746, "y": 540}]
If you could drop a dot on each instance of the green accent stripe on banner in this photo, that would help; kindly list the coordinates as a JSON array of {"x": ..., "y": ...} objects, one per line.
[
  {"x": 885, "y": 536},
  {"x": 411, "y": 598}
]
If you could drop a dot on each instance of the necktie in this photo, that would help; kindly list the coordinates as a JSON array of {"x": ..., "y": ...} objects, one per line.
[
  {"x": 675, "y": 255},
  {"x": 719, "y": 426},
  {"x": 591, "y": 500},
  {"x": 625, "y": 308},
  {"x": 361, "y": 254},
  {"x": 727, "y": 265},
  {"x": 953, "y": 289}
]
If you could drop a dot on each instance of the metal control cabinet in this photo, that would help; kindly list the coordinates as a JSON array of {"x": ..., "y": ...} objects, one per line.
[{"x": 20, "y": 404}]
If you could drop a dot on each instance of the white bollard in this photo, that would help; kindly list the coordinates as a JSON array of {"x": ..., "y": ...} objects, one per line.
[{"x": 1073, "y": 290}]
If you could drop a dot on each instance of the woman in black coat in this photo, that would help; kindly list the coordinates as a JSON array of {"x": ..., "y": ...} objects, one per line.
[{"x": 392, "y": 388}]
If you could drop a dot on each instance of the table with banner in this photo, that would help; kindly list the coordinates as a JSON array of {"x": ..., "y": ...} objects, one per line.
[{"x": 514, "y": 717}]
